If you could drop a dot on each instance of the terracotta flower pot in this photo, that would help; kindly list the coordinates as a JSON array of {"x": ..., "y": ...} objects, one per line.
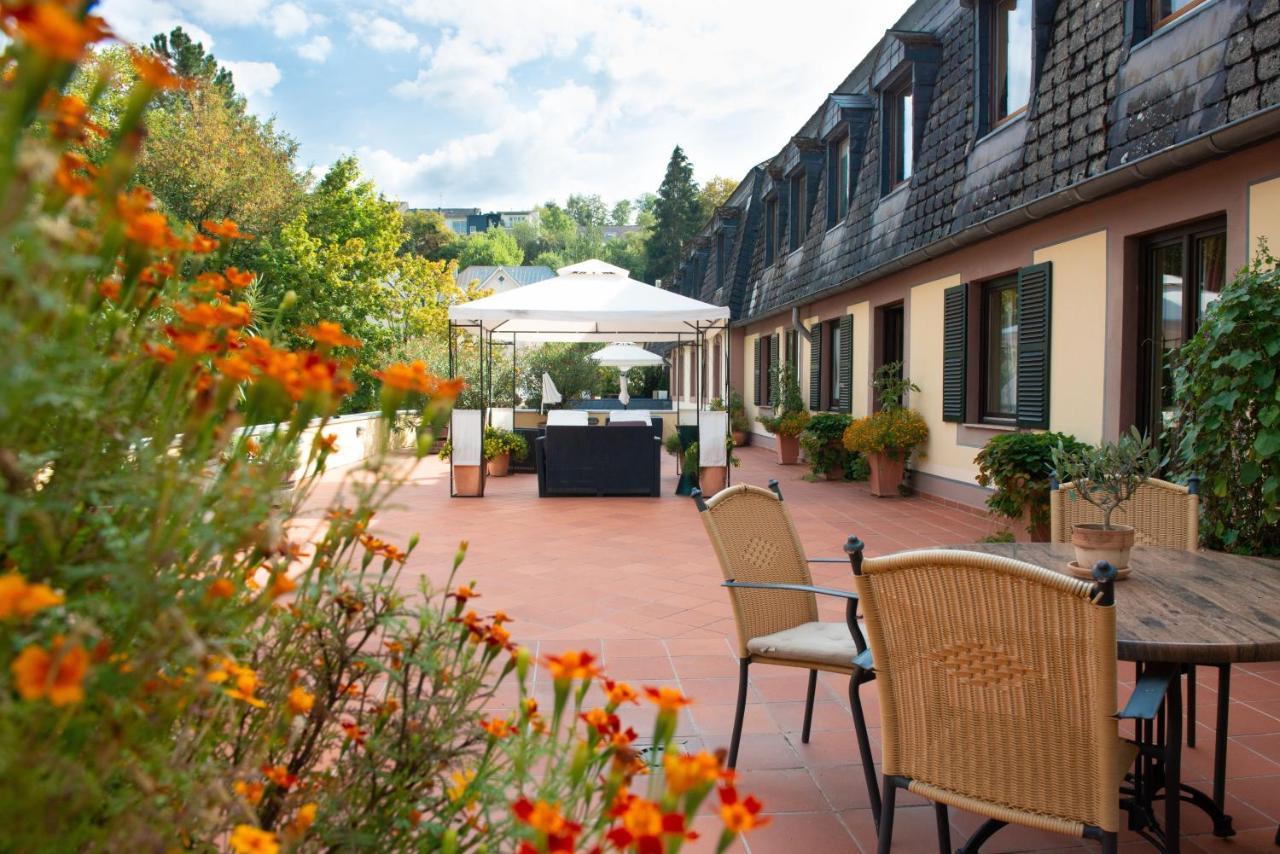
[
  {"x": 500, "y": 466},
  {"x": 740, "y": 438},
  {"x": 886, "y": 474},
  {"x": 835, "y": 472},
  {"x": 1037, "y": 532},
  {"x": 1094, "y": 543},
  {"x": 788, "y": 449},
  {"x": 467, "y": 480},
  {"x": 711, "y": 479}
]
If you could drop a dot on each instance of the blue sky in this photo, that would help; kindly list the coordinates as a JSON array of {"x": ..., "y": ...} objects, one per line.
[{"x": 508, "y": 103}]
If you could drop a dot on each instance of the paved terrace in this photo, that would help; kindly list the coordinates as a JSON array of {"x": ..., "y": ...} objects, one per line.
[{"x": 635, "y": 580}]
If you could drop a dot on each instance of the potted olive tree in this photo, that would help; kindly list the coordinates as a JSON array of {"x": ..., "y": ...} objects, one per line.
[
  {"x": 789, "y": 418},
  {"x": 888, "y": 437},
  {"x": 1018, "y": 466},
  {"x": 1106, "y": 477}
]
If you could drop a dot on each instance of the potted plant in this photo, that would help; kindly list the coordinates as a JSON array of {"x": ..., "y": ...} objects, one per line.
[
  {"x": 688, "y": 476},
  {"x": 499, "y": 447},
  {"x": 789, "y": 418},
  {"x": 467, "y": 480},
  {"x": 888, "y": 437},
  {"x": 739, "y": 424},
  {"x": 823, "y": 442},
  {"x": 1018, "y": 466},
  {"x": 710, "y": 479},
  {"x": 1106, "y": 477}
]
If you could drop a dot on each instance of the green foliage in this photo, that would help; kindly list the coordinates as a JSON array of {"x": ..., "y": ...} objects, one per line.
[
  {"x": 673, "y": 445},
  {"x": 891, "y": 386},
  {"x": 896, "y": 432},
  {"x": 1108, "y": 475},
  {"x": 677, "y": 214},
  {"x": 189, "y": 60},
  {"x": 690, "y": 460},
  {"x": 491, "y": 248},
  {"x": 714, "y": 193},
  {"x": 587, "y": 210},
  {"x": 621, "y": 213},
  {"x": 427, "y": 234},
  {"x": 1019, "y": 466},
  {"x": 823, "y": 442},
  {"x": 1000, "y": 537},
  {"x": 498, "y": 441},
  {"x": 791, "y": 415},
  {"x": 1228, "y": 397},
  {"x": 571, "y": 368}
]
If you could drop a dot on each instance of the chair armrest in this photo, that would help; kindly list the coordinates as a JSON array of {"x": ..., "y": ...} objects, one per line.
[
  {"x": 827, "y": 559},
  {"x": 1149, "y": 692},
  {"x": 847, "y": 595}
]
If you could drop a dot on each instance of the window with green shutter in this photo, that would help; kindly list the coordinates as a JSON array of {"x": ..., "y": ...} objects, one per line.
[
  {"x": 845, "y": 401},
  {"x": 815, "y": 367},
  {"x": 773, "y": 369},
  {"x": 757, "y": 397},
  {"x": 1035, "y": 290},
  {"x": 955, "y": 323}
]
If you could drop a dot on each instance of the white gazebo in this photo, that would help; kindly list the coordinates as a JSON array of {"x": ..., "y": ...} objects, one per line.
[{"x": 588, "y": 302}]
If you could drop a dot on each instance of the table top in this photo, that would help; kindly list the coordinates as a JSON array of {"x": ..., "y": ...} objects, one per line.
[{"x": 1177, "y": 606}]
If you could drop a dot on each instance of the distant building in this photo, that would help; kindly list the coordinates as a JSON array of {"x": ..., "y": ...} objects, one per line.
[
  {"x": 612, "y": 232},
  {"x": 464, "y": 221},
  {"x": 499, "y": 279}
]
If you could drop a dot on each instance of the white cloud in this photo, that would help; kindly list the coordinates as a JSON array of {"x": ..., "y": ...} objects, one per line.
[
  {"x": 254, "y": 79},
  {"x": 139, "y": 20},
  {"x": 316, "y": 50},
  {"x": 235, "y": 13},
  {"x": 383, "y": 34},
  {"x": 289, "y": 19}
]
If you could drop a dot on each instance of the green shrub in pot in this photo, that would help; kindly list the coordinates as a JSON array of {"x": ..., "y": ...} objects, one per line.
[
  {"x": 823, "y": 443},
  {"x": 1019, "y": 466}
]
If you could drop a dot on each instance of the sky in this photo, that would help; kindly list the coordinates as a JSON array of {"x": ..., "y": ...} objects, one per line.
[{"x": 505, "y": 104}]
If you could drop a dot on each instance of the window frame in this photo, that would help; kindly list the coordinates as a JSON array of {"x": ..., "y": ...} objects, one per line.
[
  {"x": 1155, "y": 24},
  {"x": 764, "y": 378},
  {"x": 721, "y": 255},
  {"x": 986, "y": 289},
  {"x": 840, "y": 192},
  {"x": 894, "y": 109},
  {"x": 997, "y": 60}
]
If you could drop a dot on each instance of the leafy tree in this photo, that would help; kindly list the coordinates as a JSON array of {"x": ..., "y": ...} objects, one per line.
[
  {"x": 427, "y": 234},
  {"x": 677, "y": 213},
  {"x": 554, "y": 260},
  {"x": 490, "y": 248},
  {"x": 556, "y": 225},
  {"x": 621, "y": 213},
  {"x": 628, "y": 252},
  {"x": 715, "y": 193},
  {"x": 587, "y": 210},
  {"x": 341, "y": 257},
  {"x": 571, "y": 368}
]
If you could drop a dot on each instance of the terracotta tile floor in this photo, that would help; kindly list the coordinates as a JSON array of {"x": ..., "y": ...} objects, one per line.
[{"x": 635, "y": 579}]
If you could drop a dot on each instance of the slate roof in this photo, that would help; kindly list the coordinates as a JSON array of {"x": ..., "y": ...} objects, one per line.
[
  {"x": 1105, "y": 98},
  {"x": 525, "y": 275}
]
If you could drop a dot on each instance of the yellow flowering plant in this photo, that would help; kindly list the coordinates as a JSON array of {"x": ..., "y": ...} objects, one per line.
[{"x": 186, "y": 660}]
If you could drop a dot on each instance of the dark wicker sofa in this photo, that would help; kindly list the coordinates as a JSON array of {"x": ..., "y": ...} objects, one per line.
[{"x": 612, "y": 460}]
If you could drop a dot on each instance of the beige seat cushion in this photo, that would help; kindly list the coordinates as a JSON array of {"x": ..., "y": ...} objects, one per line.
[{"x": 821, "y": 643}]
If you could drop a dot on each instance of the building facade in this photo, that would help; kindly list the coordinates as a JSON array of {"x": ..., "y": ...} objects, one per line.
[
  {"x": 1027, "y": 203},
  {"x": 464, "y": 221}
]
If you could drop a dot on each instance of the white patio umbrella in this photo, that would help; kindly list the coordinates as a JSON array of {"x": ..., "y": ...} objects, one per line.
[
  {"x": 550, "y": 394},
  {"x": 624, "y": 356}
]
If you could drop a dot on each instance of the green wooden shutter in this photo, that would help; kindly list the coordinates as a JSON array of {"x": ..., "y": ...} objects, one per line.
[
  {"x": 955, "y": 328},
  {"x": 846, "y": 363},
  {"x": 815, "y": 366},
  {"x": 773, "y": 369},
  {"x": 755, "y": 372},
  {"x": 1035, "y": 292}
]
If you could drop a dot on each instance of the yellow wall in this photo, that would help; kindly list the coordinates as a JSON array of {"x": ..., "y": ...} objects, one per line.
[
  {"x": 1264, "y": 216},
  {"x": 1077, "y": 365},
  {"x": 861, "y": 380},
  {"x": 941, "y": 455}
]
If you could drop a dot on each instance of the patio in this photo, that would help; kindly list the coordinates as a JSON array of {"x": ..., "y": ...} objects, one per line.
[{"x": 635, "y": 581}]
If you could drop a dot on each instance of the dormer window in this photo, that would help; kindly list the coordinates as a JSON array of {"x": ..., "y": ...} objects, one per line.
[
  {"x": 1011, "y": 59},
  {"x": 1164, "y": 12},
  {"x": 798, "y": 209},
  {"x": 899, "y": 121},
  {"x": 840, "y": 175},
  {"x": 770, "y": 230},
  {"x": 721, "y": 259}
]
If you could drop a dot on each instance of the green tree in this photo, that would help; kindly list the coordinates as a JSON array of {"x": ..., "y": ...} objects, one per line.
[
  {"x": 189, "y": 59},
  {"x": 621, "y": 213},
  {"x": 427, "y": 234},
  {"x": 490, "y": 248},
  {"x": 557, "y": 227},
  {"x": 587, "y": 210},
  {"x": 628, "y": 251},
  {"x": 571, "y": 368},
  {"x": 677, "y": 214},
  {"x": 715, "y": 193}
]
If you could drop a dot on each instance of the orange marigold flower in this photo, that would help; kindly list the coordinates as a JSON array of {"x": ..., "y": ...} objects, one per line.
[
  {"x": 109, "y": 289},
  {"x": 234, "y": 367},
  {"x": 305, "y": 817},
  {"x": 282, "y": 584},
  {"x": 572, "y": 665},
  {"x": 192, "y": 343},
  {"x": 203, "y": 245},
  {"x": 740, "y": 816},
  {"x": 75, "y": 174},
  {"x": 299, "y": 700},
  {"x": 53, "y": 30},
  {"x": 279, "y": 775},
  {"x": 497, "y": 727},
  {"x": 227, "y": 230},
  {"x": 56, "y": 674},
  {"x": 602, "y": 721},
  {"x": 153, "y": 274},
  {"x": 353, "y": 732},
  {"x": 247, "y": 839},
  {"x": 156, "y": 73},
  {"x": 71, "y": 120},
  {"x": 328, "y": 333},
  {"x": 464, "y": 593},
  {"x": 220, "y": 589},
  {"x": 252, "y": 447},
  {"x": 251, "y": 792},
  {"x": 545, "y": 818},
  {"x": 144, "y": 226},
  {"x": 160, "y": 352},
  {"x": 620, "y": 692},
  {"x": 686, "y": 772},
  {"x": 666, "y": 698},
  {"x": 643, "y": 825},
  {"x": 19, "y": 598},
  {"x": 208, "y": 284},
  {"x": 238, "y": 278},
  {"x": 326, "y": 443}
]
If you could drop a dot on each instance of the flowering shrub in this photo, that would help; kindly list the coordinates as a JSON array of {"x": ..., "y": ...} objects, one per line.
[
  {"x": 895, "y": 432},
  {"x": 185, "y": 660}
]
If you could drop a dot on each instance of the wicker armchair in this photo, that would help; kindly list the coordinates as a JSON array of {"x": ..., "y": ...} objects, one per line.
[
  {"x": 775, "y": 606},
  {"x": 997, "y": 685},
  {"x": 1163, "y": 514}
]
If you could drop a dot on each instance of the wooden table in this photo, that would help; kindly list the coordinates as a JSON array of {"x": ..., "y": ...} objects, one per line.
[{"x": 1186, "y": 608}]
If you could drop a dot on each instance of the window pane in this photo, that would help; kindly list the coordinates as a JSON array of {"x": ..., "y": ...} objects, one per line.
[
  {"x": 1002, "y": 351},
  {"x": 1166, "y": 265},
  {"x": 1162, "y": 9},
  {"x": 905, "y": 136},
  {"x": 1212, "y": 254},
  {"x": 842, "y": 179},
  {"x": 833, "y": 378},
  {"x": 1011, "y": 65}
]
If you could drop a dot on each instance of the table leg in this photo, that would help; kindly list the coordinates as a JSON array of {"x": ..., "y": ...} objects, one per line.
[
  {"x": 1173, "y": 770},
  {"x": 1222, "y": 822}
]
